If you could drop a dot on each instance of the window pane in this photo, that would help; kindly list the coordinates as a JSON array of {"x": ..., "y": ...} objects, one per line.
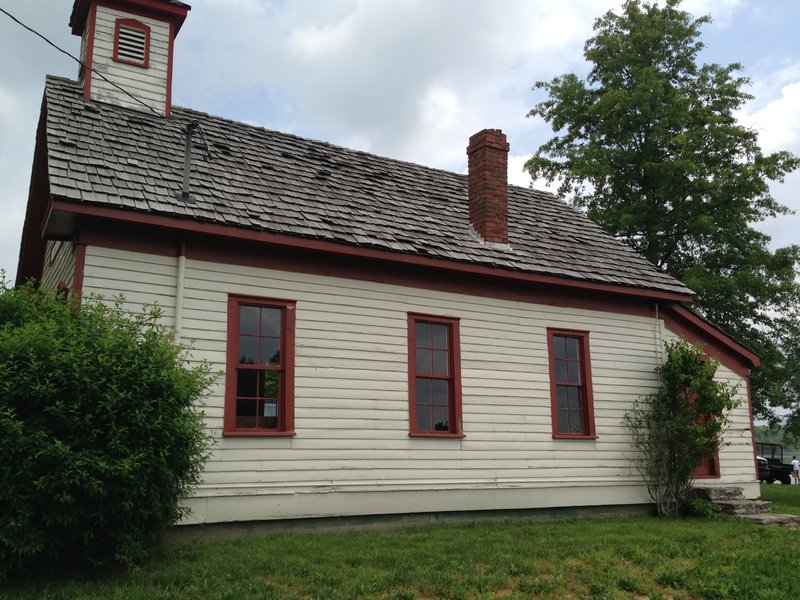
[
  {"x": 573, "y": 395},
  {"x": 440, "y": 418},
  {"x": 248, "y": 350},
  {"x": 440, "y": 366},
  {"x": 563, "y": 421},
  {"x": 440, "y": 391},
  {"x": 423, "y": 333},
  {"x": 561, "y": 397},
  {"x": 248, "y": 319},
  {"x": 268, "y": 414},
  {"x": 575, "y": 421},
  {"x": 572, "y": 348},
  {"x": 424, "y": 362},
  {"x": 558, "y": 347},
  {"x": 423, "y": 390},
  {"x": 245, "y": 413},
  {"x": 439, "y": 336},
  {"x": 269, "y": 408},
  {"x": 246, "y": 383},
  {"x": 268, "y": 384},
  {"x": 424, "y": 418},
  {"x": 561, "y": 371},
  {"x": 573, "y": 372},
  {"x": 245, "y": 408},
  {"x": 270, "y": 351},
  {"x": 271, "y": 321}
]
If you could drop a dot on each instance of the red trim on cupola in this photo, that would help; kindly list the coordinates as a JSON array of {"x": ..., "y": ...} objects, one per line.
[
  {"x": 172, "y": 33},
  {"x": 84, "y": 15},
  {"x": 153, "y": 8},
  {"x": 89, "y": 58}
]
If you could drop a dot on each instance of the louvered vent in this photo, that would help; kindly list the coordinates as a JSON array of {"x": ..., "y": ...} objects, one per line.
[{"x": 132, "y": 44}]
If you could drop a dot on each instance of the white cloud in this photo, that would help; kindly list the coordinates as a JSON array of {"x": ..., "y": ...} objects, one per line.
[
  {"x": 440, "y": 108},
  {"x": 9, "y": 112},
  {"x": 768, "y": 79},
  {"x": 16, "y": 150},
  {"x": 410, "y": 79},
  {"x": 778, "y": 122},
  {"x": 517, "y": 175},
  {"x": 314, "y": 42},
  {"x": 385, "y": 73},
  {"x": 439, "y": 119},
  {"x": 722, "y": 11}
]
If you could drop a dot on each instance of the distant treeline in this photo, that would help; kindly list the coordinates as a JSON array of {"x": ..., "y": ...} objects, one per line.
[{"x": 778, "y": 436}]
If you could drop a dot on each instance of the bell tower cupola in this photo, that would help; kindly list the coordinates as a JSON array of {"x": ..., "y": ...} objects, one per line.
[{"x": 126, "y": 50}]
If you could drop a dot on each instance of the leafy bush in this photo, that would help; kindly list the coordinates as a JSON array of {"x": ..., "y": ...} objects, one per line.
[
  {"x": 99, "y": 433},
  {"x": 679, "y": 426},
  {"x": 698, "y": 506}
]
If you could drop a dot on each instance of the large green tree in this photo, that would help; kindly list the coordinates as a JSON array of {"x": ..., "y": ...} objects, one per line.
[{"x": 649, "y": 146}]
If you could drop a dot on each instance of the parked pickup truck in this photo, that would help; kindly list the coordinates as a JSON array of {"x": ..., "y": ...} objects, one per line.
[
  {"x": 763, "y": 468},
  {"x": 778, "y": 471}
]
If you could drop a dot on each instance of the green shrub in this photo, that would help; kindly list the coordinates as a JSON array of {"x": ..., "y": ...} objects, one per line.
[
  {"x": 99, "y": 434},
  {"x": 680, "y": 425},
  {"x": 698, "y": 506}
]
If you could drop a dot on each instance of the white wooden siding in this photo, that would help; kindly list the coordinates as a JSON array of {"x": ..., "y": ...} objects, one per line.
[
  {"x": 141, "y": 283},
  {"x": 352, "y": 403},
  {"x": 149, "y": 85},
  {"x": 59, "y": 265}
]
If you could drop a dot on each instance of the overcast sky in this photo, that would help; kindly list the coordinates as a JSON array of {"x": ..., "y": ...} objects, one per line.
[{"x": 408, "y": 79}]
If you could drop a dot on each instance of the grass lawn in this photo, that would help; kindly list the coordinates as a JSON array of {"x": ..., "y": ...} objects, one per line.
[
  {"x": 610, "y": 558},
  {"x": 785, "y": 498}
]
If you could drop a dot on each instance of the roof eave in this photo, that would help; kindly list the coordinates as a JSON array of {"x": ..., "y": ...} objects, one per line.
[
  {"x": 176, "y": 12},
  {"x": 32, "y": 243},
  {"x": 692, "y": 319},
  {"x": 65, "y": 209}
]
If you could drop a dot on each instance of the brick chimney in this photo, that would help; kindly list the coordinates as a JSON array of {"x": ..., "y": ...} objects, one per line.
[{"x": 488, "y": 185}]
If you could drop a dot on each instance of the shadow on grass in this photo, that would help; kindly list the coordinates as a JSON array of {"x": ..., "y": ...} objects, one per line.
[{"x": 608, "y": 558}]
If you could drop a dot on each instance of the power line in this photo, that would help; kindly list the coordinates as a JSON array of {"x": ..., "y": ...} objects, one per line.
[
  {"x": 192, "y": 125},
  {"x": 80, "y": 62}
]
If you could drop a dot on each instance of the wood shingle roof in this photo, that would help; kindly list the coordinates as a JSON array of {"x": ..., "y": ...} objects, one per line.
[{"x": 257, "y": 179}]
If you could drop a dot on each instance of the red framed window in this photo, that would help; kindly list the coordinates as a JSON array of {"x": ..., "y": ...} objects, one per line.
[
  {"x": 570, "y": 384},
  {"x": 434, "y": 376},
  {"x": 259, "y": 382},
  {"x": 132, "y": 43},
  {"x": 708, "y": 468}
]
